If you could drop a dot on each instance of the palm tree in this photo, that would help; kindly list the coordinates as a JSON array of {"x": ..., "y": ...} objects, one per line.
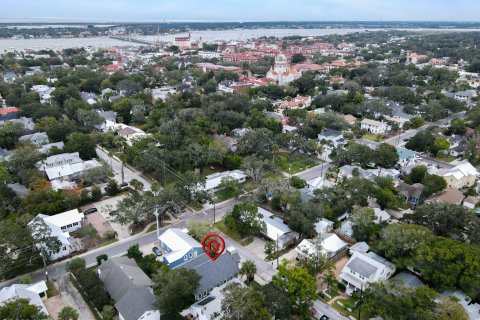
[{"x": 248, "y": 269}]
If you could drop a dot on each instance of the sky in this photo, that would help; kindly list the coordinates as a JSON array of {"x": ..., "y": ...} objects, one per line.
[{"x": 240, "y": 10}]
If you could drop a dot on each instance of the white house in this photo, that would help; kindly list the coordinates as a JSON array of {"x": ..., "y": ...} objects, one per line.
[
  {"x": 44, "y": 92},
  {"x": 365, "y": 268},
  {"x": 209, "y": 54},
  {"x": 68, "y": 221},
  {"x": 324, "y": 226},
  {"x": 374, "y": 126},
  {"x": 68, "y": 244},
  {"x": 70, "y": 171},
  {"x": 330, "y": 245},
  {"x": 277, "y": 230},
  {"x": 180, "y": 247},
  {"x": 208, "y": 308},
  {"x": 332, "y": 136},
  {"x": 59, "y": 160},
  {"x": 213, "y": 181},
  {"x": 35, "y": 293}
]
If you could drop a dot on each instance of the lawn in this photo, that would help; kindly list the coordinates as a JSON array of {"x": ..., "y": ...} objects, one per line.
[
  {"x": 372, "y": 137},
  {"x": 445, "y": 158},
  {"x": 347, "y": 303},
  {"x": 224, "y": 195},
  {"x": 220, "y": 225},
  {"x": 293, "y": 163}
]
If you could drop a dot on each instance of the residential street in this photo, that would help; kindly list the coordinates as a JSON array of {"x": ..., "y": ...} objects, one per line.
[
  {"x": 116, "y": 164},
  {"x": 314, "y": 172}
]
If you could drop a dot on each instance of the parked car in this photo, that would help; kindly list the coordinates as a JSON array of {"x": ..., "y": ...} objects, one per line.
[
  {"x": 157, "y": 251},
  {"x": 90, "y": 211},
  {"x": 123, "y": 184}
]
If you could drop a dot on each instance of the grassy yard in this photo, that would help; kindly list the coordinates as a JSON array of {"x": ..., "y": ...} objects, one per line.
[
  {"x": 347, "y": 303},
  {"x": 220, "y": 225},
  {"x": 373, "y": 137},
  {"x": 445, "y": 158},
  {"x": 224, "y": 195},
  {"x": 293, "y": 163}
]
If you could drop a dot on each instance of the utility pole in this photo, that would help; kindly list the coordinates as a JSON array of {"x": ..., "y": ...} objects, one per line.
[
  {"x": 214, "y": 210},
  {"x": 44, "y": 265},
  {"x": 157, "y": 214},
  {"x": 276, "y": 249}
]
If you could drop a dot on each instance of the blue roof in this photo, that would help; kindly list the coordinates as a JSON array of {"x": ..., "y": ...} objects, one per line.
[{"x": 404, "y": 154}]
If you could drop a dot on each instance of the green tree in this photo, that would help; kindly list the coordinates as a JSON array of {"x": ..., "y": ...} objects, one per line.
[
  {"x": 445, "y": 219},
  {"x": 400, "y": 242},
  {"x": 83, "y": 144},
  {"x": 243, "y": 303},
  {"x": 47, "y": 243},
  {"x": 316, "y": 261},
  {"x": 276, "y": 301},
  {"x": 417, "y": 174},
  {"x": 363, "y": 224},
  {"x": 439, "y": 144},
  {"x": 9, "y": 134},
  {"x": 108, "y": 313},
  {"x": 450, "y": 309},
  {"x": 457, "y": 126},
  {"x": 23, "y": 158},
  {"x": 248, "y": 220},
  {"x": 386, "y": 156},
  {"x": 299, "y": 286},
  {"x": 112, "y": 188},
  {"x": 421, "y": 142},
  {"x": 248, "y": 269},
  {"x": 297, "y": 183},
  {"x": 230, "y": 186},
  {"x": 417, "y": 122},
  {"x": 21, "y": 309},
  {"x": 166, "y": 284},
  {"x": 68, "y": 313},
  {"x": 199, "y": 230},
  {"x": 74, "y": 264},
  {"x": 433, "y": 184}
]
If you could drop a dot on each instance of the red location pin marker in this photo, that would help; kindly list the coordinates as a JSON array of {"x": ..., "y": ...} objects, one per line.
[{"x": 213, "y": 245}]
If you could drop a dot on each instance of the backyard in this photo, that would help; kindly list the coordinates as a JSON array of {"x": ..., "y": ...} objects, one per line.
[{"x": 293, "y": 163}]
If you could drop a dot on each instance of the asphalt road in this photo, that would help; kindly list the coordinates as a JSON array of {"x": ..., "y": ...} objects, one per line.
[
  {"x": 128, "y": 173},
  {"x": 314, "y": 172},
  {"x": 119, "y": 248}
]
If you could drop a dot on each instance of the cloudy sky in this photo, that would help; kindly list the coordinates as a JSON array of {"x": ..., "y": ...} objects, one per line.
[{"x": 240, "y": 10}]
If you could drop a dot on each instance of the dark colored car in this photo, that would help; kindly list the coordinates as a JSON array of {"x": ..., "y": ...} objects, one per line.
[
  {"x": 90, "y": 211},
  {"x": 124, "y": 184},
  {"x": 157, "y": 251},
  {"x": 324, "y": 317}
]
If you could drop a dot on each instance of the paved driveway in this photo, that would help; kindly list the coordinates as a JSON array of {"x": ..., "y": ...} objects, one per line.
[
  {"x": 54, "y": 305},
  {"x": 99, "y": 223},
  {"x": 123, "y": 231}
]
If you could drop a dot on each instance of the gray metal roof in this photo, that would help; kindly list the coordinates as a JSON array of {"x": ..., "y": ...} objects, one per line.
[
  {"x": 362, "y": 267},
  {"x": 135, "y": 303},
  {"x": 121, "y": 274},
  {"x": 215, "y": 272}
]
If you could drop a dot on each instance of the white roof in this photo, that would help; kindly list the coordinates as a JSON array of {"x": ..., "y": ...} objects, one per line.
[
  {"x": 71, "y": 169},
  {"x": 212, "y": 181},
  {"x": 381, "y": 215},
  {"x": 65, "y": 218},
  {"x": 374, "y": 123},
  {"x": 275, "y": 226},
  {"x": 323, "y": 225},
  {"x": 330, "y": 245},
  {"x": 176, "y": 238},
  {"x": 26, "y": 292},
  {"x": 462, "y": 170}
]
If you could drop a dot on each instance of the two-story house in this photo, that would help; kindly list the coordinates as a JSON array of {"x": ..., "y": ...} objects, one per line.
[
  {"x": 411, "y": 192},
  {"x": 334, "y": 137},
  {"x": 59, "y": 226},
  {"x": 374, "y": 126},
  {"x": 180, "y": 247},
  {"x": 38, "y": 139},
  {"x": 214, "y": 273},
  {"x": 131, "y": 289},
  {"x": 461, "y": 176},
  {"x": 364, "y": 268}
]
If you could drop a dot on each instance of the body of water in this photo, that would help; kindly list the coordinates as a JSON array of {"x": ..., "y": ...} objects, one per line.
[{"x": 212, "y": 35}]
